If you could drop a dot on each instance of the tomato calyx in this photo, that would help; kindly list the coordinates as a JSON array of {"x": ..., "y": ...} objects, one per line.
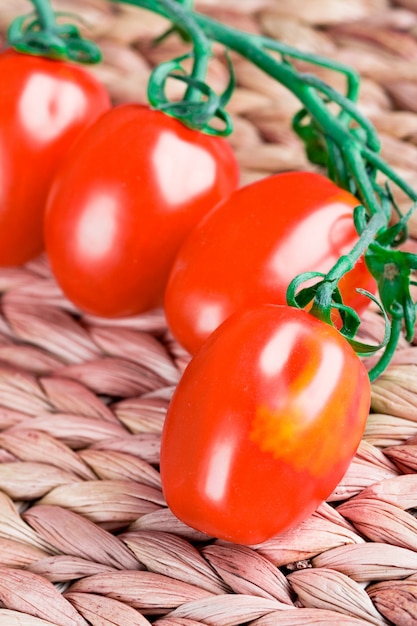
[
  {"x": 39, "y": 33},
  {"x": 326, "y": 296},
  {"x": 202, "y": 104},
  {"x": 391, "y": 268}
]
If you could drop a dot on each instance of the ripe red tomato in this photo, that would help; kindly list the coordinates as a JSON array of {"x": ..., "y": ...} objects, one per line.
[
  {"x": 44, "y": 105},
  {"x": 124, "y": 202},
  {"x": 263, "y": 424},
  {"x": 250, "y": 247}
]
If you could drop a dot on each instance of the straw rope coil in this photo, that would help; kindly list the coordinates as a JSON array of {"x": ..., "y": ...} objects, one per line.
[{"x": 85, "y": 535}]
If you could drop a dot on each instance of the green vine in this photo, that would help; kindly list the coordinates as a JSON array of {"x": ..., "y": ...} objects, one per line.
[{"x": 344, "y": 142}]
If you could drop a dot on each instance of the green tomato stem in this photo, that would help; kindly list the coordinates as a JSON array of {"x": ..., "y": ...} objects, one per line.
[
  {"x": 180, "y": 15},
  {"x": 45, "y": 14}
]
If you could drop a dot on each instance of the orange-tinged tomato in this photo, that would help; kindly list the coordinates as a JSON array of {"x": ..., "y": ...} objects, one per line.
[{"x": 263, "y": 424}]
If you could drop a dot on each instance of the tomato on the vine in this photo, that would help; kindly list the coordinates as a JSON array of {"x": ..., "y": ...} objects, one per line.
[
  {"x": 135, "y": 185},
  {"x": 263, "y": 424},
  {"x": 44, "y": 106},
  {"x": 250, "y": 247}
]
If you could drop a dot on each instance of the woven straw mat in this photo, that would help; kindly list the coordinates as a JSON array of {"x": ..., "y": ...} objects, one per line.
[{"x": 85, "y": 535}]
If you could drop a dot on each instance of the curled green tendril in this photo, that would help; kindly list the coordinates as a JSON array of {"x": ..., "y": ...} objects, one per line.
[
  {"x": 196, "y": 114},
  {"x": 40, "y": 34},
  {"x": 390, "y": 347}
]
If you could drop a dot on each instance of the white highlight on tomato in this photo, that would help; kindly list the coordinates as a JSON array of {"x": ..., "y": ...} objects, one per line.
[
  {"x": 218, "y": 471},
  {"x": 45, "y": 118},
  {"x": 191, "y": 172},
  {"x": 97, "y": 226},
  {"x": 322, "y": 248}
]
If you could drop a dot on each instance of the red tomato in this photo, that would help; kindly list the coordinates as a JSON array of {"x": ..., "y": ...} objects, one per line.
[
  {"x": 263, "y": 424},
  {"x": 250, "y": 247},
  {"x": 124, "y": 202},
  {"x": 44, "y": 105}
]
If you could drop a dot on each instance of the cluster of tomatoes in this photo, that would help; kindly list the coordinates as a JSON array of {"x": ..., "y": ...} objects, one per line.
[{"x": 136, "y": 211}]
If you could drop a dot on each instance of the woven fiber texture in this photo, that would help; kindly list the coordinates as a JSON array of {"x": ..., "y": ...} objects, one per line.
[{"x": 85, "y": 534}]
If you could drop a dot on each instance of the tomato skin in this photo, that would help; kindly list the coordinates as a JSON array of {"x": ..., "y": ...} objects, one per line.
[
  {"x": 121, "y": 207},
  {"x": 263, "y": 424},
  {"x": 250, "y": 247},
  {"x": 44, "y": 105}
]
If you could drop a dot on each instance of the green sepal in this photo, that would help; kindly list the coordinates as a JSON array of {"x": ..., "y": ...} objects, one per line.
[
  {"x": 364, "y": 349},
  {"x": 301, "y": 298},
  {"x": 392, "y": 272},
  {"x": 319, "y": 294}
]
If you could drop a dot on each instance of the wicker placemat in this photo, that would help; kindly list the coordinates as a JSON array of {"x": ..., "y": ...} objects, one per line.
[{"x": 85, "y": 536}]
